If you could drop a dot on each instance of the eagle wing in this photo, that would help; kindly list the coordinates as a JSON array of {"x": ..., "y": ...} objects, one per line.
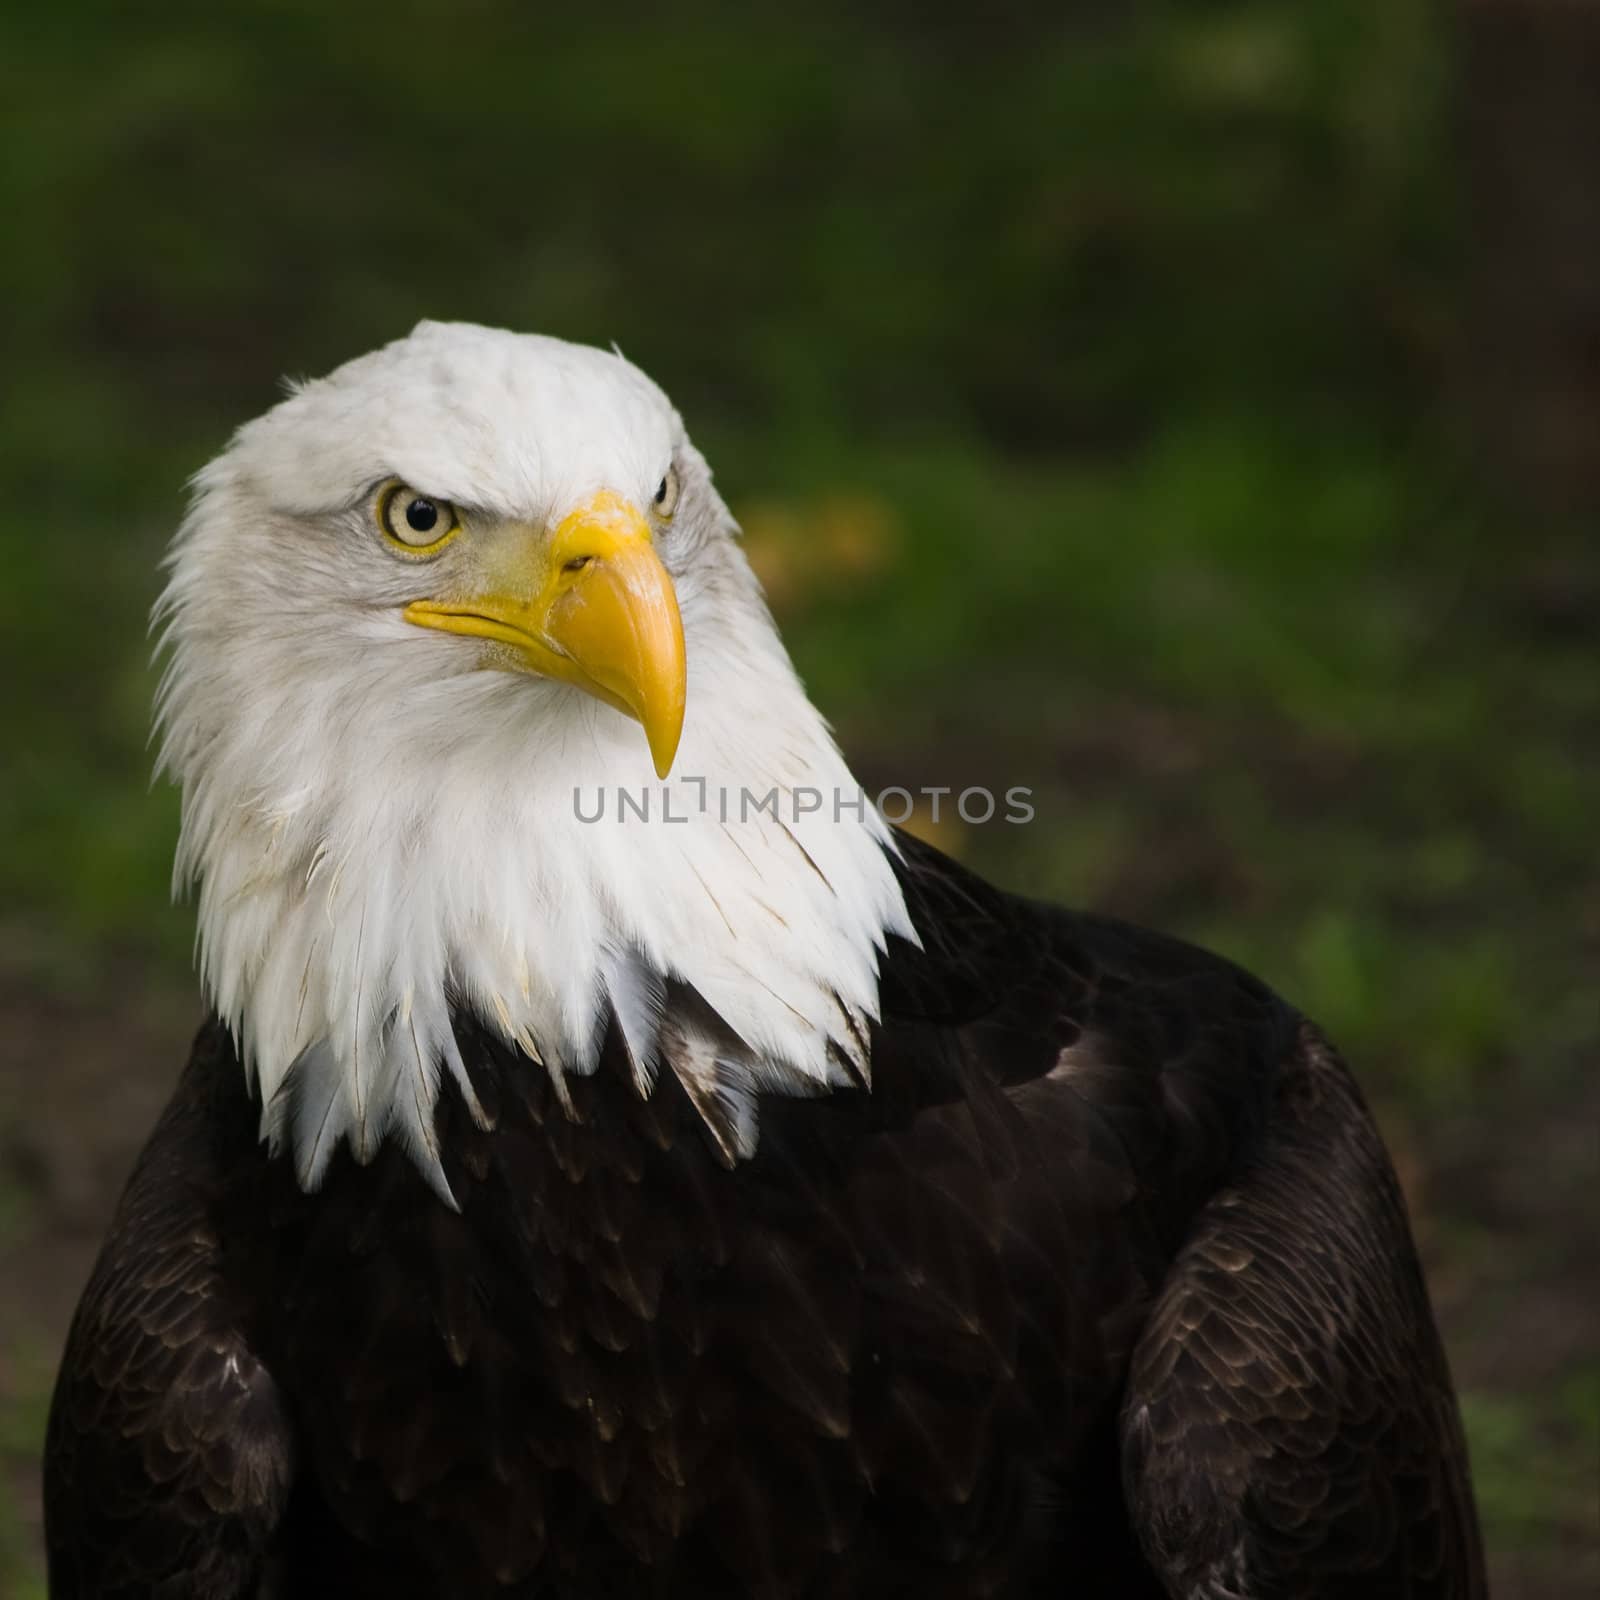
[
  {"x": 1289, "y": 1427},
  {"x": 168, "y": 1458}
]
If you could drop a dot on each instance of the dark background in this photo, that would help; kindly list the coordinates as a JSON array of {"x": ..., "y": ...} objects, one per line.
[{"x": 1189, "y": 412}]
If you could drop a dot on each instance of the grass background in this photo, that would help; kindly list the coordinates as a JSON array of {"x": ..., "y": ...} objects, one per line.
[{"x": 1091, "y": 387}]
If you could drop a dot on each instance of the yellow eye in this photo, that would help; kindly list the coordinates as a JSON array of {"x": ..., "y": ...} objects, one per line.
[
  {"x": 419, "y": 524},
  {"x": 665, "y": 500}
]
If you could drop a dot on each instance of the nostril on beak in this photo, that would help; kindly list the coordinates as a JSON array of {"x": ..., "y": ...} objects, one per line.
[{"x": 577, "y": 563}]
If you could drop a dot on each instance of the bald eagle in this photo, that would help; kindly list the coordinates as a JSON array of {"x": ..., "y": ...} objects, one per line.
[{"x": 736, "y": 1197}]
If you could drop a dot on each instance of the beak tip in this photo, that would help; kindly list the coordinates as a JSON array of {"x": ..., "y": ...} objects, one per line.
[{"x": 664, "y": 745}]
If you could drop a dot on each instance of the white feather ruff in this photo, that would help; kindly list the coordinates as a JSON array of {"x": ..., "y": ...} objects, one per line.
[{"x": 379, "y": 828}]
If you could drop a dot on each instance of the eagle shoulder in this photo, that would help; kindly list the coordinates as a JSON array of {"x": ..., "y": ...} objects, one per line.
[
  {"x": 1289, "y": 1425},
  {"x": 169, "y": 1456}
]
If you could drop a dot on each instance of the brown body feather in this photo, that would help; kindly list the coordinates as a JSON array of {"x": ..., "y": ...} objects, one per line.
[{"x": 1105, "y": 1288}]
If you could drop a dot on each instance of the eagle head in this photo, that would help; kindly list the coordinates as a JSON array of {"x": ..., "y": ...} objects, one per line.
[{"x": 474, "y": 703}]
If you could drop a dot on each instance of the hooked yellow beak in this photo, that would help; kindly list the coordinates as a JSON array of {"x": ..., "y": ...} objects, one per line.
[{"x": 593, "y": 607}]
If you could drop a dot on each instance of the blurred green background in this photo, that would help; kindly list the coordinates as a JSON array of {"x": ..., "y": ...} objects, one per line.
[{"x": 1191, "y": 412}]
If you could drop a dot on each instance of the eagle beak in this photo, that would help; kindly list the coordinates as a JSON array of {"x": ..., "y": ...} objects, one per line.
[{"x": 594, "y": 607}]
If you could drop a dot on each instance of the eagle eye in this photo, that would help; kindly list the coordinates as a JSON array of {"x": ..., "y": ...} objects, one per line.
[
  {"x": 665, "y": 499},
  {"x": 417, "y": 523}
]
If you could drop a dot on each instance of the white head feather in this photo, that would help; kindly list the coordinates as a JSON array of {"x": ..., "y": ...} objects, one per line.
[{"x": 380, "y": 829}]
